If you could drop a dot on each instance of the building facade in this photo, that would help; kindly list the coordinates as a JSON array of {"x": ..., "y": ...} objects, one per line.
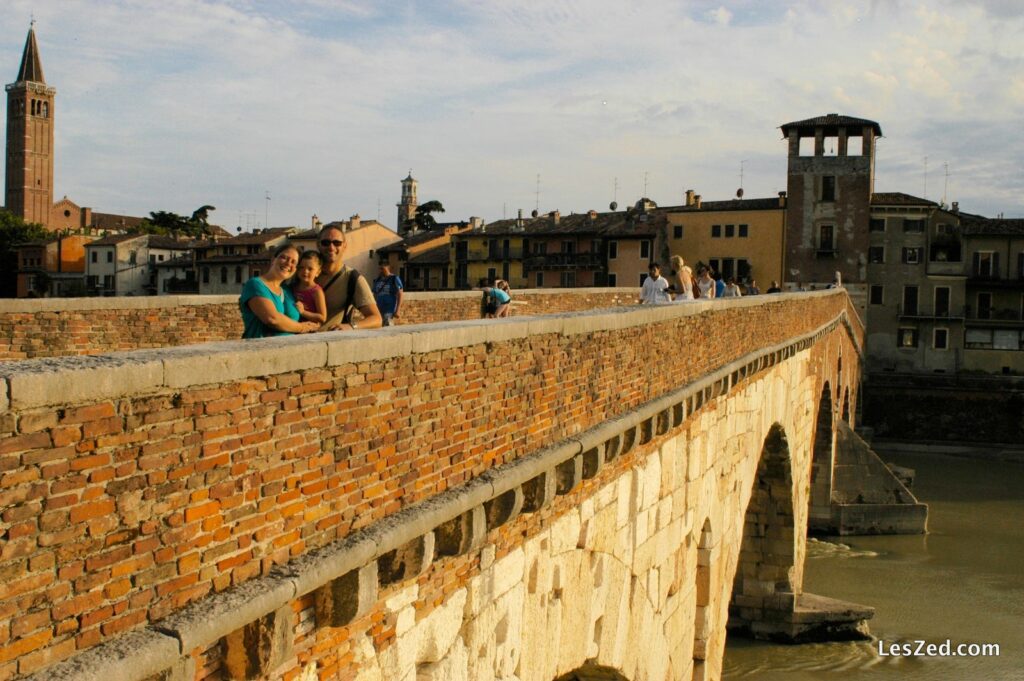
[
  {"x": 741, "y": 238},
  {"x": 126, "y": 264},
  {"x": 52, "y": 268}
]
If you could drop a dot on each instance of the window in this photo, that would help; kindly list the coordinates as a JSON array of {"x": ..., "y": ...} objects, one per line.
[
  {"x": 940, "y": 339},
  {"x": 612, "y": 279},
  {"x": 730, "y": 231},
  {"x": 223, "y": 275},
  {"x": 677, "y": 232},
  {"x": 913, "y": 256},
  {"x": 206, "y": 275},
  {"x": 984, "y": 306},
  {"x": 160, "y": 258},
  {"x": 152, "y": 258},
  {"x": 827, "y": 239},
  {"x": 540, "y": 247},
  {"x": 743, "y": 231},
  {"x": 941, "y": 301},
  {"x": 505, "y": 270},
  {"x": 568, "y": 280},
  {"x": 715, "y": 265},
  {"x": 906, "y": 338},
  {"x": 568, "y": 247},
  {"x": 978, "y": 339},
  {"x": 876, "y": 225},
  {"x": 828, "y": 188},
  {"x": 944, "y": 228},
  {"x": 613, "y": 250},
  {"x": 909, "y": 300},
  {"x": 1005, "y": 339},
  {"x": 742, "y": 269},
  {"x": 238, "y": 274},
  {"x": 540, "y": 280},
  {"x": 913, "y": 226},
  {"x": 110, "y": 256},
  {"x": 876, "y": 255},
  {"x": 94, "y": 254},
  {"x": 877, "y": 293},
  {"x": 492, "y": 274},
  {"x": 986, "y": 265},
  {"x": 645, "y": 250},
  {"x": 716, "y": 231}
]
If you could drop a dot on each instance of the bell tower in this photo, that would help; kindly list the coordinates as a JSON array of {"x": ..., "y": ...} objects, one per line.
[
  {"x": 407, "y": 206},
  {"x": 28, "y": 191}
]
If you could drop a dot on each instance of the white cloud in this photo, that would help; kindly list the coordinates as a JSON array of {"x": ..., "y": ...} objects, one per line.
[{"x": 169, "y": 105}]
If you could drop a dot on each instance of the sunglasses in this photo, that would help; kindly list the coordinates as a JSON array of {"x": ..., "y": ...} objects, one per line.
[{"x": 337, "y": 243}]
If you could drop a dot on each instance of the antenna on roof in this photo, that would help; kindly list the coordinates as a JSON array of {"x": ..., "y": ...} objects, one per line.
[
  {"x": 739, "y": 192},
  {"x": 945, "y": 185},
  {"x": 615, "y": 196},
  {"x": 536, "y": 206},
  {"x": 645, "y": 184},
  {"x": 925, "y": 178}
]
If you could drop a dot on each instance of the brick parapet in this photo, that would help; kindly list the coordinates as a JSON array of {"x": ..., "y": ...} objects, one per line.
[
  {"x": 213, "y": 464},
  {"x": 61, "y": 327}
]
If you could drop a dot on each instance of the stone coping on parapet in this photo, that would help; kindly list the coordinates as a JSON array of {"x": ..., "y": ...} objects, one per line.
[
  {"x": 54, "y": 381},
  {"x": 160, "y": 645},
  {"x": 31, "y": 305}
]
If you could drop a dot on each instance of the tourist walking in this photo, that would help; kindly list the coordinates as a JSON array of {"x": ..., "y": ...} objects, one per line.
[
  {"x": 655, "y": 287},
  {"x": 387, "y": 292},
  {"x": 732, "y": 289},
  {"x": 774, "y": 288},
  {"x": 683, "y": 279},
  {"x": 267, "y": 305},
  {"x": 705, "y": 284},
  {"x": 752, "y": 289}
]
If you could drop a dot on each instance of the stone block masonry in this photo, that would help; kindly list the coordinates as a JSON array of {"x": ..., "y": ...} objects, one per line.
[
  {"x": 135, "y": 484},
  {"x": 59, "y": 327}
]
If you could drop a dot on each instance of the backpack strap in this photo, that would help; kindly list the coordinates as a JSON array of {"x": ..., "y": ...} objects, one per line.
[{"x": 350, "y": 295}]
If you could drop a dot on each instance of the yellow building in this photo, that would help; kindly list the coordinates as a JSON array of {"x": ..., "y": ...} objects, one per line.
[
  {"x": 742, "y": 238},
  {"x": 489, "y": 252}
]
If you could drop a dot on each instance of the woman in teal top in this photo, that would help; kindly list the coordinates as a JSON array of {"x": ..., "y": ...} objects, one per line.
[{"x": 268, "y": 307}]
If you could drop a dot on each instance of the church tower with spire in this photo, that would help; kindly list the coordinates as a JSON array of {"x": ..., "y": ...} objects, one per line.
[
  {"x": 29, "y": 178},
  {"x": 407, "y": 206}
]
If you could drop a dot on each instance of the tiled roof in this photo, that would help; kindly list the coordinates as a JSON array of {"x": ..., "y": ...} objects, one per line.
[
  {"x": 252, "y": 238},
  {"x": 899, "y": 199},
  {"x": 620, "y": 223},
  {"x": 731, "y": 204},
  {"x": 112, "y": 221},
  {"x": 415, "y": 240},
  {"x": 977, "y": 226},
  {"x": 433, "y": 256},
  {"x": 180, "y": 261},
  {"x": 115, "y": 239},
  {"x": 830, "y": 121},
  {"x": 159, "y": 241},
  {"x": 265, "y": 256}
]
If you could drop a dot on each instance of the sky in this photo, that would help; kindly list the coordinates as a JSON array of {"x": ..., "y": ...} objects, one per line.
[{"x": 326, "y": 105}]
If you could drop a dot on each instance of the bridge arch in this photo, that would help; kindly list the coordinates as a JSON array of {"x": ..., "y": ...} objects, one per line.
[{"x": 766, "y": 573}]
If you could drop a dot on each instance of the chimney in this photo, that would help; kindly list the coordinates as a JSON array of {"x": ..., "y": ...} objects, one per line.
[
  {"x": 956, "y": 206},
  {"x": 556, "y": 217},
  {"x": 519, "y": 220},
  {"x": 696, "y": 201},
  {"x": 353, "y": 222},
  {"x": 689, "y": 197},
  {"x": 782, "y": 199},
  {"x": 315, "y": 223},
  {"x": 592, "y": 214}
]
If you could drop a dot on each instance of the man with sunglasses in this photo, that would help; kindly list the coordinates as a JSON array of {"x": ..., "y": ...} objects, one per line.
[{"x": 343, "y": 294}]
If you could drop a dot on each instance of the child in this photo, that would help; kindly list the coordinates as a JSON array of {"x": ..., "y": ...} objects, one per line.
[
  {"x": 497, "y": 300},
  {"x": 309, "y": 297}
]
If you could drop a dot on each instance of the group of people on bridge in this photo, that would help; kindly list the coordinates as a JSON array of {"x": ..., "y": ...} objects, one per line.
[{"x": 305, "y": 292}]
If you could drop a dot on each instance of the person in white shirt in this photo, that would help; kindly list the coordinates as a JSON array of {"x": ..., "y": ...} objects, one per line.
[
  {"x": 732, "y": 289},
  {"x": 655, "y": 288}
]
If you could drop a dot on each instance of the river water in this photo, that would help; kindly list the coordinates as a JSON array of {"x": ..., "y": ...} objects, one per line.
[{"x": 962, "y": 582}]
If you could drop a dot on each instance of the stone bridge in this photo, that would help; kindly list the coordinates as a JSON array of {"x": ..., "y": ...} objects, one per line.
[{"x": 590, "y": 495}]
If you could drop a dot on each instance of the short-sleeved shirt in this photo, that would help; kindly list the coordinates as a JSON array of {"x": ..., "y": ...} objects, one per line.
[
  {"x": 284, "y": 303},
  {"x": 385, "y": 291},
  {"x": 336, "y": 291},
  {"x": 655, "y": 291},
  {"x": 499, "y": 296}
]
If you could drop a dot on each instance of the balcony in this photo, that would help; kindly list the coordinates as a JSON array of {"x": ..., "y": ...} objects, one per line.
[
  {"x": 946, "y": 267},
  {"x": 565, "y": 261},
  {"x": 995, "y": 279},
  {"x": 994, "y": 317},
  {"x": 930, "y": 314},
  {"x": 826, "y": 254},
  {"x": 494, "y": 255}
]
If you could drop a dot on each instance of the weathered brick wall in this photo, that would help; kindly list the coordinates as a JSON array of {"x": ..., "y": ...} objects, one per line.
[
  {"x": 87, "y": 326},
  {"x": 131, "y": 485}
]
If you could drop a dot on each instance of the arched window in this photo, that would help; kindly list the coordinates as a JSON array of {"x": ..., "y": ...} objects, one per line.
[{"x": 46, "y": 109}]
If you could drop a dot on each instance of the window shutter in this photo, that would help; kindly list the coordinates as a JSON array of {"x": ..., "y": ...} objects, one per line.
[
  {"x": 995, "y": 266},
  {"x": 977, "y": 264}
]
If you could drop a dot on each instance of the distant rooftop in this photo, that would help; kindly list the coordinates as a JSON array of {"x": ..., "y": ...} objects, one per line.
[
  {"x": 831, "y": 122},
  {"x": 899, "y": 199}
]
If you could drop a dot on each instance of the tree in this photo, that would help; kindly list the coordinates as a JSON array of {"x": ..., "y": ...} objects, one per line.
[
  {"x": 424, "y": 219},
  {"x": 165, "y": 223},
  {"x": 14, "y": 230}
]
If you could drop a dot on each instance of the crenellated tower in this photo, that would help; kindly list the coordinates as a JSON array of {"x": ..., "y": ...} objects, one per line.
[{"x": 28, "y": 191}]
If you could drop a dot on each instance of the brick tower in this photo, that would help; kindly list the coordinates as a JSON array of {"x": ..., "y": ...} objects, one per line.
[
  {"x": 29, "y": 179},
  {"x": 407, "y": 206},
  {"x": 829, "y": 187}
]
